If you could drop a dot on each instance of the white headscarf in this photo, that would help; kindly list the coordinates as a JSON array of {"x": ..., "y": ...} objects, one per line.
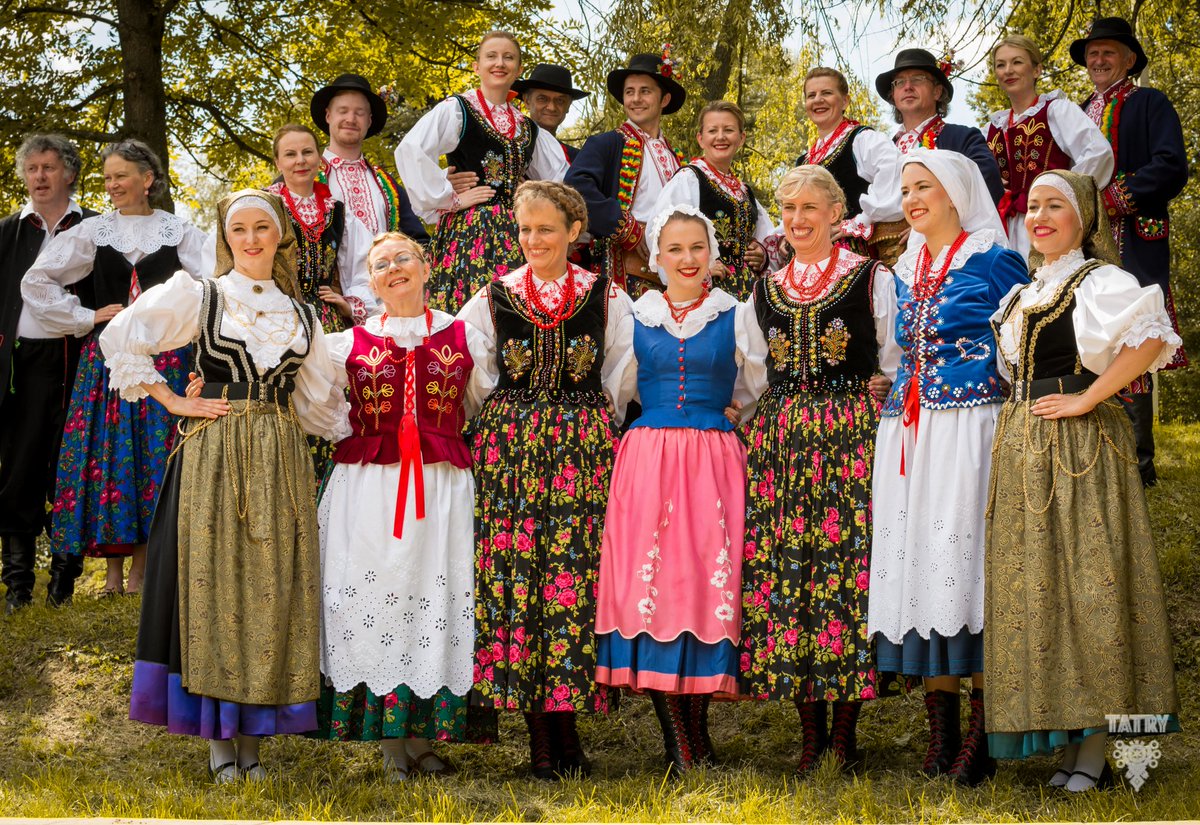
[
  {"x": 655, "y": 227},
  {"x": 964, "y": 183},
  {"x": 249, "y": 199}
]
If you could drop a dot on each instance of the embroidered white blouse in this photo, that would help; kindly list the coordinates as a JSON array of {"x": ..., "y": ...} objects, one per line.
[
  {"x": 878, "y": 162},
  {"x": 438, "y": 132},
  {"x": 167, "y": 316},
  {"x": 1111, "y": 311},
  {"x": 618, "y": 375},
  {"x": 69, "y": 257}
]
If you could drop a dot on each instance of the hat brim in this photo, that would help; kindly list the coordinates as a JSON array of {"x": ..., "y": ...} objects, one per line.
[
  {"x": 883, "y": 83},
  {"x": 1079, "y": 50},
  {"x": 323, "y": 96},
  {"x": 616, "y": 88},
  {"x": 523, "y": 86}
]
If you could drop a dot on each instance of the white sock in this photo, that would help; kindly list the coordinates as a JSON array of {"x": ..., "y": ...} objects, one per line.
[
  {"x": 1070, "y": 754},
  {"x": 247, "y": 750},
  {"x": 1090, "y": 760},
  {"x": 393, "y": 752},
  {"x": 416, "y": 745},
  {"x": 220, "y": 752}
]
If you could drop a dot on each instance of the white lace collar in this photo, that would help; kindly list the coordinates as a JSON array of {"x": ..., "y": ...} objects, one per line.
[
  {"x": 404, "y": 330},
  {"x": 976, "y": 242},
  {"x": 1058, "y": 271},
  {"x": 652, "y": 310},
  {"x": 999, "y": 119},
  {"x": 253, "y": 292},
  {"x": 128, "y": 233}
]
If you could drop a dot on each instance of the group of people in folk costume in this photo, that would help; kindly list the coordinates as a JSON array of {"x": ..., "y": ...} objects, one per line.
[{"x": 607, "y": 428}]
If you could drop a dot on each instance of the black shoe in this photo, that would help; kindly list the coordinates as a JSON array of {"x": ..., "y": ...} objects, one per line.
[
  {"x": 65, "y": 568},
  {"x": 974, "y": 764},
  {"x": 570, "y": 759},
  {"x": 669, "y": 709},
  {"x": 945, "y": 736},
  {"x": 17, "y": 553},
  {"x": 696, "y": 706},
  {"x": 843, "y": 734}
]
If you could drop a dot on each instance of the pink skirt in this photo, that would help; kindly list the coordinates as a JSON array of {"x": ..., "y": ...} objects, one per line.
[{"x": 671, "y": 559}]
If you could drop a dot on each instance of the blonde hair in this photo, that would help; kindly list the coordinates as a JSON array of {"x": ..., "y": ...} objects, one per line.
[
  {"x": 566, "y": 200},
  {"x": 500, "y": 34},
  {"x": 722, "y": 106},
  {"x": 1019, "y": 41},
  {"x": 825, "y": 71},
  {"x": 399, "y": 237},
  {"x": 812, "y": 175}
]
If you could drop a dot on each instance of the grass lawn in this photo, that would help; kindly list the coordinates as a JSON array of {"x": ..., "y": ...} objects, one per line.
[{"x": 68, "y": 749}]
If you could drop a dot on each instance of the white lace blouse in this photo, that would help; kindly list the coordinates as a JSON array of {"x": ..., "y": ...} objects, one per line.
[
  {"x": 68, "y": 258},
  {"x": 1112, "y": 311},
  {"x": 167, "y": 317}
]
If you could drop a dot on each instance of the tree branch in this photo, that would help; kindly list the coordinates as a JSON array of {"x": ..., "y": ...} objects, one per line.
[
  {"x": 222, "y": 120},
  {"x": 31, "y": 10}
]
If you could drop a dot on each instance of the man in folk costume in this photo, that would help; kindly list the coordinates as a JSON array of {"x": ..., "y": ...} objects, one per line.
[
  {"x": 620, "y": 173},
  {"x": 919, "y": 91},
  {"x": 1151, "y": 170},
  {"x": 548, "y": 94},
  {"x": 37, "y": 371},
  {"x": 349, "y": 111}
]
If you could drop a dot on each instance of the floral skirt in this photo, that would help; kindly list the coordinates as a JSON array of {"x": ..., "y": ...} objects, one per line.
[
  {"x": 542, "y": 469},
  {"x": 807, "y": 553},
  {"x": 110, "y": 465},
  {"x": 1070, "y": 571},
  {"x": 469, "y": 249},
  {"x": 739, "y": 280},
  {"x": 359, "y": 715}
]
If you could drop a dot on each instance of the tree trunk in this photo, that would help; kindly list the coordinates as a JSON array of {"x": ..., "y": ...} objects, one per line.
[
  {"x": 140, "y": 27},
  {"x": 733, "y": 27}
]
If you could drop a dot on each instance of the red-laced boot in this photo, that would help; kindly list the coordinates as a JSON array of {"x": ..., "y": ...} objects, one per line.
[
  {"x": 698, "y": 736},
  {"x": 974, "y": 764},
  {"x": 672, "y": 718},
  {"x": 541, "y": 746},
  {"x": 572, "y": 761},
  {"x": 945, "y": 737},
  {"x": 815, "y": 737},
  {"x": 843, "y": 734}
]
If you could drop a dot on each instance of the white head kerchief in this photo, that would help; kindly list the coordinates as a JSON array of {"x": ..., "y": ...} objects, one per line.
[
  {"x": 252, "y": 202},
  {"x": 963, "y": 182},
  {"x": 655, "y": 227},
  {"x": 1060, "y": 185}
]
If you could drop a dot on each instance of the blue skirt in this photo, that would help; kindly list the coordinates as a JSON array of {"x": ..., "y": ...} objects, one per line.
[
  {"x": 1045, "y": 742},
  {"x": 682, "y": 665},
  {"x": 957, "y": 655},
  {"x": 110, "y": 465}
]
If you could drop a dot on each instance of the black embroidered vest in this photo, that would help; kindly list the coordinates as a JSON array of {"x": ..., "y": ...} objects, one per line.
[
  {"x": 1047, "y": 348},
  {"x": 499, "y": 161},
  {"x": 316, "y": 262},
  {"x": 733, "y": 220},
  {"x": 840, "y": 163}
]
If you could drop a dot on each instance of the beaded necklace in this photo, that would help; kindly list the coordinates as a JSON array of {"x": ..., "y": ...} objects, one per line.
[
  {"x": 823, "y": 147},
  {"x": 805, "y": 292},
  {"x": 925, "y": 287},
  {"x": 510, "y": 132},
  {"x": 730, "y": 181},
  {"x": 558, "y": 314},
  {"x": 312, "y": 232},
  {"x": 679, "y": 313}
]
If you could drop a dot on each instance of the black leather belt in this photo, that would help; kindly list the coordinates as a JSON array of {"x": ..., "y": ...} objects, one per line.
[
  {"x": 1063, "y": 384},
  {"x": 248, "y": 391}
]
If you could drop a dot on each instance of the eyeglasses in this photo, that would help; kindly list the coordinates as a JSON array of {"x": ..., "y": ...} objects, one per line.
[
  {"x": 915, "y": 80},
  {"x": 384, "y": 264}
]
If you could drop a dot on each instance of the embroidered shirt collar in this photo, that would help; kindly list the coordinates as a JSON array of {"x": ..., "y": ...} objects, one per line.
[
  {"x": 515, "y": 281},
  {"x": 337, "y": 160},
  {"x": 999, "y": 119},
  {"x": 1059, "y": 270},
  {"x": 980, "y": 241},
  {"x": 1111, "y": 92},
  {"x": 405, "y": 329},
  {"x": 916, "y": 130},
  {"x": 643, "y": 134}
]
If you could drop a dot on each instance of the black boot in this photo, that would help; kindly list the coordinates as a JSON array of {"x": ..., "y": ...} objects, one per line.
[
  {"x": 17, "y": 553},
  {"x": 945, "y": 737},
  {"x": 816, "y": 737},
  {"x": 1140, "y": 407},
  {"x": 65, "y": 568},
  {"x": 973, "y": 764},
  {"x": 671, "y": 717},
  {"x": 698, "y": 736},
  {"x": 570, "y": 760},
  {"x": 843, "y": 734},
  {"x": 541, "y": 746}
]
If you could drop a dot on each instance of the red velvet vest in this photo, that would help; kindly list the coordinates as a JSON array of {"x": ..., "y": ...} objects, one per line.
[
  {"x": 1026, "y": 151},
  {"x": 375, "y": 368}
]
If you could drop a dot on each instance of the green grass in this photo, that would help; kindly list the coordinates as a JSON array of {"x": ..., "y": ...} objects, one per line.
[{"x": 68, "y": 748}]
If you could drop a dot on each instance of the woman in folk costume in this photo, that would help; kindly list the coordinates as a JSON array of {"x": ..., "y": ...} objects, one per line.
[
  {"x": 396, "y": 522},
  {"x": 743, "y": 227},
  {"x": 668, "y": 614},
  {"x": 934, "y": 450},
  {"x": 229, "y": 642},
  {"x": 1037, "y": 133},
  {"x": 865, "y": 164},
  {"x": 560, "y": 349},
  {"x": 331, "y": 246},
  {"x": 819, "y": 343},
  {"x": 479, "y": 132},
  {"x": 113, "y": 451},
  {"x": 1071, "y": 568}
]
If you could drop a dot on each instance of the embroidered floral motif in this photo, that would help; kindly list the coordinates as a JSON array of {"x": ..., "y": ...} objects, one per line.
[
  {"x": 378, "y": 363},
  {"x": 517, "y": 356},
  {"x": 581, "y": 354},
  {"x": 834, "y": 342},
  {"x": 779, "y": 346},
  {"x": 442, "y": 397},
  {"x": 493, "y": 169},
  {"x": 720, "y": 577},
  {"x": 723, "y": 226},
  {"x": 647, "y": 605}
]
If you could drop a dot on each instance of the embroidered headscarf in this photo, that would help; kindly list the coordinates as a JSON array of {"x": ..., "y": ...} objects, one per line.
[
  {"x": 1081, "y": 192},
  {"x": 964, "y": 183},
  {"x": 655, "y": 228},
  {"x": 283, "y": 268}
]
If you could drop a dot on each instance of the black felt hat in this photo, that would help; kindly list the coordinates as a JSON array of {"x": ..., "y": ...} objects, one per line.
[
  {"x": 654, "y": 65},
  {"x": 348, "y": 83},
  {"x": 1111, "y": 28},
  {"x": 913, "y": 59},
  {"x": 550, "y": 77}
]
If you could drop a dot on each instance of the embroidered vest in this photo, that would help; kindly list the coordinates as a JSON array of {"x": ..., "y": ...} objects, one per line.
[
  {"x": 221, "y": 360},
  {"x": 112, "y": 275},
  {"x": 499, "y": 161},
  {"x": 1047, "y": 347},
  {"x": 734, "y": 220},
  {"x": 564, "y": 361},
  {"x": 840, "y": 163},
  {"x": 316, "y": 262},
  {"x": 826, "y": 345},
  {"x": 1023, "y": 152},
  {"x": 375, "y": 367}
]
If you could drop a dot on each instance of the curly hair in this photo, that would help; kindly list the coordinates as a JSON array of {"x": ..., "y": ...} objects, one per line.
[
  {"x": 141, "y": 156},
  {"x": 566, "y": 200},
  {"x": 67, "y": 153}
]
